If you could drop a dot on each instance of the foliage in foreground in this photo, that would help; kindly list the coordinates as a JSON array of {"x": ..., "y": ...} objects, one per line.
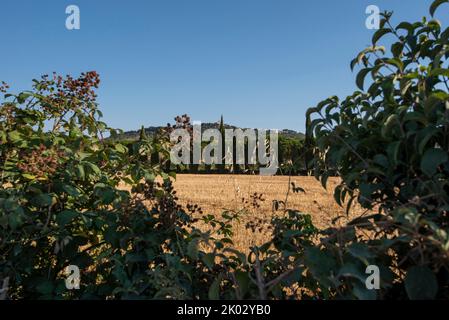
[
  {"x": 390, "y": 146},
  {"x": 61, "y": 202}
]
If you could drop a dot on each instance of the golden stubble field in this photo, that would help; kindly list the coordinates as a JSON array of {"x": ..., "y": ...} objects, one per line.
[{"x": 215, "y": 193}]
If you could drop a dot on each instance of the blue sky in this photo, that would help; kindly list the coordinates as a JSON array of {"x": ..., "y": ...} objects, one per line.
[{"x": 260, "y": 63}]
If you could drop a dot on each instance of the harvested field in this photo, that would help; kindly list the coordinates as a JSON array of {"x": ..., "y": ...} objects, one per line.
[{"x": 215, "y": 193}]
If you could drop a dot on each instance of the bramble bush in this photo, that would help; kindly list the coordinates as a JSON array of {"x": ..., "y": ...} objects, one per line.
[{"x": 61, "y": 203}]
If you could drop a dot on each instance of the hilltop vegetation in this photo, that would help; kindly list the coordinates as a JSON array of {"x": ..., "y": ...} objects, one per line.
[
  {"x": 133, "y": 135},
  {"x": 291, "y": 151}
]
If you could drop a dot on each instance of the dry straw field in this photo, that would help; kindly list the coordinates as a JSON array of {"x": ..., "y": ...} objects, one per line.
[{"x": 215, "y": 193}]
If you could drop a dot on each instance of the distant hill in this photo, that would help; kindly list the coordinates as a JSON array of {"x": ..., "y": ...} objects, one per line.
[{"x": 150, "y": 131}]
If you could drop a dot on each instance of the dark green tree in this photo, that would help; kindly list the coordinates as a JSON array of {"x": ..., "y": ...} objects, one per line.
[
  {"x": 222, "y": 166},
  {"x": 142, "y": 134}
]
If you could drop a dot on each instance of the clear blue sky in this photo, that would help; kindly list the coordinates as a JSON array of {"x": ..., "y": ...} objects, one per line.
[{"x": 261, "y": 63}]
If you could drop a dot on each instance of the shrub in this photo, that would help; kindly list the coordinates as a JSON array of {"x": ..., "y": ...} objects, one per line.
[
  {"x": 61, "y": 203},
  {"x": 390, "y": 146}
]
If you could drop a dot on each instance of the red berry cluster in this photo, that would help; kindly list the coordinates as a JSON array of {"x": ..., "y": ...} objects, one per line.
[
  {"x": 82, "y": 88},
  {"x": 182, "y": 122},
  {"x": 3, "y": 86},
  {"x": 7, "y": 112},
  {"x": 68, "y": 92},
  {"x": 42, "y": 162},
  {"x": 255, "y": 200}
]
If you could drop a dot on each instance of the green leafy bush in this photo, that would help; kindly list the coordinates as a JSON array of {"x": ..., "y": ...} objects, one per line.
[
  {"x": 61, "y": 203},
  {"x": 390, "y": 146}
]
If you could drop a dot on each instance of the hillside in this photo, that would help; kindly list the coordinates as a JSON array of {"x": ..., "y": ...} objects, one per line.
[{"x": 150, "y": 131}]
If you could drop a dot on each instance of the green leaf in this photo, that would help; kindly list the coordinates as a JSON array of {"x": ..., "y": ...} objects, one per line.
[
  {"x": 192, "y": 249},
  {"x": 358, "y": 59},
  {"x": 337, "y": 195},
  {"x": 421, "y": 283},
  {"x": 360, "y": 80},
  {"x": 111, "y": 235},
  {"x": 239, "y": 255},
  {"x": 214, "y": 290},
  {"x": 15, "y": 136},
  {"x": 4, "y": 221},
  {"x": 15, "y": 218},
  {"x": 42, "y": 200},
  {"x": 388, "y": 125},
  {"x": 434, "y": 24},
  {"x": 353, "y": 63},
  {"x": 150, "y": 177},
  {"x": 395, "y": 62},
  {"x": 106, "y": 195},
  {"x": 435, "y": 6},
  {"x": 65, "y": 217},
  {"x": 45, "y": 287},
  {"x": 79, "y": 170},
  {"x": 381, "y": 160},
  {"x": 120, "y": 148},
  {"x": 243, "y": 281},
  {"x": 433, "y": 101},
  {"x": 432, "y": 159},
  {"x": 71, "y": 190},
  {"x": 393, "y": 152},
  {"x": 406, "y": 26},
  {"x": 445, "y": 35},
  {"x": 405, "y": 85},
  {"x": 319, "y": 263},
  {"x": 349, "y": 205},
  {"x": 397, "y": 49},
  {"x": 361, "y": 252},
  {"x": 351, "y": 270},
  {"x": 209, "y": 260},
  {"x": 426, "y": 135},
  {"x": 93, "y": 167},
  {"x": 363, "y": 293},
  {"x": 135, "y": 257},
  {"x": 379, "y": 34},
  {"x": 21, "y": 98},
  {"x": 324, "y": 178},
  {"x": 28, "y": 176},
  {"x": 83, "y": 155},
  {"x": 439, "y": 72}
]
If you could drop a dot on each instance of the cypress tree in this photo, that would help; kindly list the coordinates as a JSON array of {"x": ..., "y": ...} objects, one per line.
[
  {"x": 223, "y": 146},
  {"x": 142, "y": 134}
]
